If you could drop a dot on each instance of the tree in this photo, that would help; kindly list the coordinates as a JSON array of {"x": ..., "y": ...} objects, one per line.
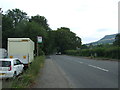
[
  {"x": 41, "y": 20},
  {"x": 117, "y": 40},
  {"x": 7, "y": 29},
  {"x": 17, "y": 16},
  {"x": 66, "y": 40},
  {"x": 50, "y": 42}
]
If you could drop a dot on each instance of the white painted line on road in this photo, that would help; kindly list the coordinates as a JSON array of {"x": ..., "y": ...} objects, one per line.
[
  {"x": 98, "y": 68},
  {"x": 80, "y": 62}
]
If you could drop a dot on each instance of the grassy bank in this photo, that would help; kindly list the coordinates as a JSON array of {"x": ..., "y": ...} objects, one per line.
[{"x": 28, "y": 77}]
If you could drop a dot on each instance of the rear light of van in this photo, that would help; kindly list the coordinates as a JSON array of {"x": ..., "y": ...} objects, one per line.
[
  {"x": 11, "y": 56},
  {"x": 24, "y": 57},
  {"x": 10, "y": 68}
]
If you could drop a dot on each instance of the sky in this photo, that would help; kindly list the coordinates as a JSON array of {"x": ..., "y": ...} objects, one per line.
[{"x": 91, "y": 20}]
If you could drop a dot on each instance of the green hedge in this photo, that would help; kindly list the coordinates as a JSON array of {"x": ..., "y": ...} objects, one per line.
[{"x": 110, "y": 52}]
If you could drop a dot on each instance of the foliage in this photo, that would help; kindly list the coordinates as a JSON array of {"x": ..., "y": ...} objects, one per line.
[
  {"x": 41, "y": 20},
  {"x": 117, "y": 40},
  {"x": 17, "y": 16},
  {"x": 83, "y": 46},
  {"x": 71, "y": 52},
  {"x": 106, "y": 52},
  {"x": 65, "y": 39},
  {"x": 29, "y": 76}
]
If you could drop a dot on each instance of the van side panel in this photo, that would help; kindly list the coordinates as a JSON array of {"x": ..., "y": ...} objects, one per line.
[{"x": 18, "y": 47}]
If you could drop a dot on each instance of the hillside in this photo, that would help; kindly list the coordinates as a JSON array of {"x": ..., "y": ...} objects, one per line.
[{"x": 108, "y": 39}]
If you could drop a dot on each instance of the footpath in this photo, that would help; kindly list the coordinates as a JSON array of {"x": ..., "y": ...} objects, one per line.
[{"x": 51, "y": 76}]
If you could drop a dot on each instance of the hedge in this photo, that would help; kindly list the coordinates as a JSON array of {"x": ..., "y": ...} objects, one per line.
[{"x": 111, "y": 52}]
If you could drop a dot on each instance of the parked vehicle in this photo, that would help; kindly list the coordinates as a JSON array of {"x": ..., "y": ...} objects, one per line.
[
  {"x": 3, "y": 53},
  {"x": 10, "y": 67},
  {"x": 22, "y": 48}
]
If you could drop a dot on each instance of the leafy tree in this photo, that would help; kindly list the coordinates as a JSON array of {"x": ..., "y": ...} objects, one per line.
[
  {"x": 7, "y": 29},
  {"x": 50, "y": 42},
  {"x": 66, "y": 40},
  {"x": 17, "y": 16},
  {"x": 41, "y": 20},
  {"x": 117, "y": 40}
]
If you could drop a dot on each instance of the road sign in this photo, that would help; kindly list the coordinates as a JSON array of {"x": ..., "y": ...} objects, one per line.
[{"x": 39, "y": 39}]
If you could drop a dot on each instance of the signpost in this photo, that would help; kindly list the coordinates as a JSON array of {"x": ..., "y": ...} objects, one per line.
[{"x": 39, "y": 40}]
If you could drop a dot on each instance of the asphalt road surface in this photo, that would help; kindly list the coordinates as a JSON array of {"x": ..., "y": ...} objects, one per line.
[{"x": 88, "y": 73}]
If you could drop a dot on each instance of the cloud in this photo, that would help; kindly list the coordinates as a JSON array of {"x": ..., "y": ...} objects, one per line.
[
  {"x": 102, "y": 29},
  {"x": 87, "y": 18}
]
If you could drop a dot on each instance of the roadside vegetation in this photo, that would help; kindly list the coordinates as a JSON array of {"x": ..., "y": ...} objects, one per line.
[
  {"x": 29, "y": 76},
  {"x": 99, "y": 51}
]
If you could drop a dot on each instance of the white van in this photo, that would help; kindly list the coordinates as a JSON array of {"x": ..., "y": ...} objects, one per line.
[{"x": 22, "y": 48}]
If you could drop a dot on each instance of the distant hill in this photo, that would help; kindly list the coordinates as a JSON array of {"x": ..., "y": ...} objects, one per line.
[{"x": 108, "y": 39}]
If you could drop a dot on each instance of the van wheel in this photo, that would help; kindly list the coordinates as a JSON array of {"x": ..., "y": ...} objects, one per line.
[{"x": 15, "y": 74}]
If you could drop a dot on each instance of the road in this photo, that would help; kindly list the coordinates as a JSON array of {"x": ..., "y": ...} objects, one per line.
[{"x": 88, "y": 73}]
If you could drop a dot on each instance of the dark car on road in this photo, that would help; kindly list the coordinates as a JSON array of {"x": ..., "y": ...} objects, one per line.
[{"x": 58, "y": 53}]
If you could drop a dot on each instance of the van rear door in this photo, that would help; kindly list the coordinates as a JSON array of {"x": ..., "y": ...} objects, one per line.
[{"x": 23, "y": 58}]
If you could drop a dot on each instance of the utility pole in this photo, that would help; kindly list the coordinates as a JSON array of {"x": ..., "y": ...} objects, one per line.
[
  {"x": 1, "y": 38},
  {"x": 1, "y": 27},
  {"x": 37, "y": 48}
]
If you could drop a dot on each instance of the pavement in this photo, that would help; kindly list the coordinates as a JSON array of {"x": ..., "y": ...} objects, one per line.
[{"x": 52, "y": 76}]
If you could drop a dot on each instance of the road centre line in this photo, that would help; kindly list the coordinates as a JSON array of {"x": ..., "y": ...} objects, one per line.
[
  {"x": 80, "y": 62},
  {"x": 98, "y": 67},
  {"x": 93, "y": 66}
]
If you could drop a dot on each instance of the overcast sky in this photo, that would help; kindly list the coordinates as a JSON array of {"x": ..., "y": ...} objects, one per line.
[{"x": 89, "y": 19}]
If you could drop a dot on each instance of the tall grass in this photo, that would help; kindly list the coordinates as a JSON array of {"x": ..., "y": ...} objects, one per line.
[{"x": 28, "y": 77}]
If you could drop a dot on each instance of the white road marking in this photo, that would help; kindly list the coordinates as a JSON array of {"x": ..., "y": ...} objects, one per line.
[
  {"x": 80, "y": 62},
  {"x": 93, "y": 66},
  {"x": 98, "y": 68}
]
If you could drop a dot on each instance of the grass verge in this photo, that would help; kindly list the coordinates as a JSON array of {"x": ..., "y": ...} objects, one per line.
[{"x": 28, "y": 77}]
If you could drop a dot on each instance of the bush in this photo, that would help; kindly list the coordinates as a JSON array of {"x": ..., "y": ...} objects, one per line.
[{"x": 112, "y": 52}]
